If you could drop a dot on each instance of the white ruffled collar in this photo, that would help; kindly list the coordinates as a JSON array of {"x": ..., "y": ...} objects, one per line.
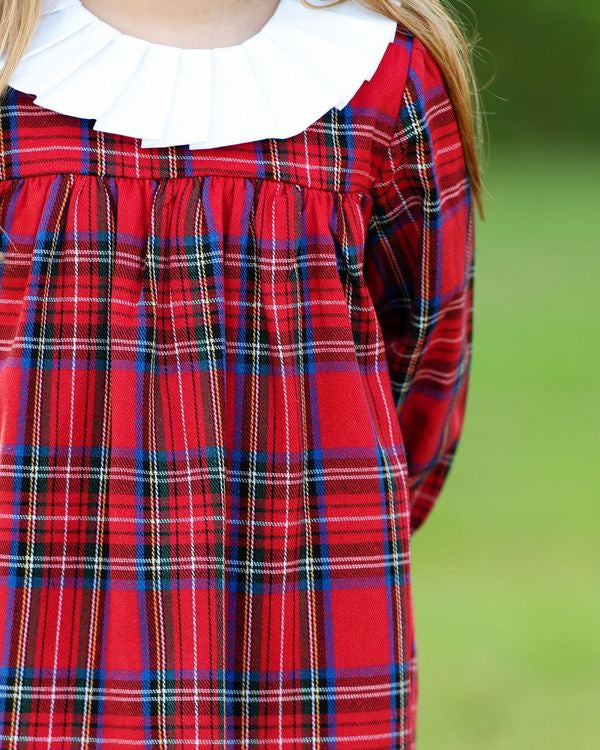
[{"x": 298, "y": 66}]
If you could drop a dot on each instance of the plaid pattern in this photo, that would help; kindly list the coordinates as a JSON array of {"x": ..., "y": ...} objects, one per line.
[
  {"x": 419, "y": 266},
  {"x": 231, "y": 384}
]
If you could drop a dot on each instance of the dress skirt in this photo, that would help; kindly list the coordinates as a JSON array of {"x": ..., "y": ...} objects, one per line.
[{"x": 203, "y": 532}]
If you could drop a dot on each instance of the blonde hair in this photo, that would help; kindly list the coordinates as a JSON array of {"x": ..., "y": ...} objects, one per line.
[
  {"x": 18, "y": 20},
  {"x": 429, "y": 20}
]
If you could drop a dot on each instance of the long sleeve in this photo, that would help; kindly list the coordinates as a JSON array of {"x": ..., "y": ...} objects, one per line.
[{"x": 419, "y": 264}]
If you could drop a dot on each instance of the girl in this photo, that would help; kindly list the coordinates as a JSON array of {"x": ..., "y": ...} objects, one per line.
[{"x": 235, "y": 336}]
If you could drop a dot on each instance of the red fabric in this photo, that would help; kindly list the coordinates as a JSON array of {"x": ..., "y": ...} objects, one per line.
[
  {"x": 419, "y": 264},
  {"x": 231, "y": 384}
]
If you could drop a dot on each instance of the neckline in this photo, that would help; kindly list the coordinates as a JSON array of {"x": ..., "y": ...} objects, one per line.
[
  {"x": 264, "y": 29},
  {"x": 303, "y": 62}
]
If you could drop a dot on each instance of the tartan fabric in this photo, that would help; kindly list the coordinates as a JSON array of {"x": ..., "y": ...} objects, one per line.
[
  {"x": 419, "y": 266},
  {"x": 231, "y": 386}
]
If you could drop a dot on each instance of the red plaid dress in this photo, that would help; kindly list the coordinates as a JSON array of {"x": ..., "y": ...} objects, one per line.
[{"x": 232, "y": 382}]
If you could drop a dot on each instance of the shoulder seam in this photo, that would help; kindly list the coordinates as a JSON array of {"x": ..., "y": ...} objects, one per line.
[{"x": 404, "y": 32}]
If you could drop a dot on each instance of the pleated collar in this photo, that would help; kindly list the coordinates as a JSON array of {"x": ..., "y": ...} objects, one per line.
[{"x": 298, "y": 66}]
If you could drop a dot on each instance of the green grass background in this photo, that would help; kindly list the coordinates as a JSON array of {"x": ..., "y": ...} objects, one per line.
[{"x": 506, "y": 570}]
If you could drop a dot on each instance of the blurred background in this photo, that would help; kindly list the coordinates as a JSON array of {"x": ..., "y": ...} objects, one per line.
[{"x": 506, "y": 570}]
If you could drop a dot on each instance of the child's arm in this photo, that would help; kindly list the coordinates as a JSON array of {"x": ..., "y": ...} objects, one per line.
[{"x": 419, "y": 264}]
